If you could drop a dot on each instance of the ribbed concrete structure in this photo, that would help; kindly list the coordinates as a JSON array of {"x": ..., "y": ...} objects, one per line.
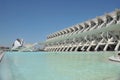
[{"x": 99, "y": 34}]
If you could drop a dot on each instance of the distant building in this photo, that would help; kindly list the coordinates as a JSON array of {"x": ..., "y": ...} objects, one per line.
[
  {"x": 4, "y": 48},
  {"x": 17, "y": 44}
]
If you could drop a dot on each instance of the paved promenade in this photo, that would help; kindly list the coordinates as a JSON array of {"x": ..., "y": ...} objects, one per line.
[{"x": 1, "y": 55}]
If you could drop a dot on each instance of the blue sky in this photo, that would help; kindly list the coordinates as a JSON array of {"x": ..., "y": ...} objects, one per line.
[{"x": 33, "y": 20}]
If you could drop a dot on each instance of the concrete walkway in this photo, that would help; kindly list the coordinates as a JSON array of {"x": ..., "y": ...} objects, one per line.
[{"x": 1, "y": 55}]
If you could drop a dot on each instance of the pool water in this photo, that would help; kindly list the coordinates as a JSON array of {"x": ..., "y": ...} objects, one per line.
[{"x": 59, "y": 66}]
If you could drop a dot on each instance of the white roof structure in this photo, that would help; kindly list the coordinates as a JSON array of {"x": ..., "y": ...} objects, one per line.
[{"x": 18, "y": 43}]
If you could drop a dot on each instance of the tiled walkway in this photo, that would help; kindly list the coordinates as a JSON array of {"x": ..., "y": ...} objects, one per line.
[{"x": 1, "y": 55}]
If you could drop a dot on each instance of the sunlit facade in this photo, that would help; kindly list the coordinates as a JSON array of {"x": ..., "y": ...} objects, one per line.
[{"x": 98, "y": 34}]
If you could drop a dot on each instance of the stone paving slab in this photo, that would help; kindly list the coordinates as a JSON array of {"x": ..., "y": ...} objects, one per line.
[{"x": 1, "y": 55}]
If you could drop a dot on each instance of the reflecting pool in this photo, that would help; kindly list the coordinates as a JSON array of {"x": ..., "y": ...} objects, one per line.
[{"x": 59, "y": 66}]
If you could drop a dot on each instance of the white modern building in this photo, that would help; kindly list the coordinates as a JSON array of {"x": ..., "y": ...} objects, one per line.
[
  {"x": 98, "y": 34},
  {"x": 17, "y": 44}
]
